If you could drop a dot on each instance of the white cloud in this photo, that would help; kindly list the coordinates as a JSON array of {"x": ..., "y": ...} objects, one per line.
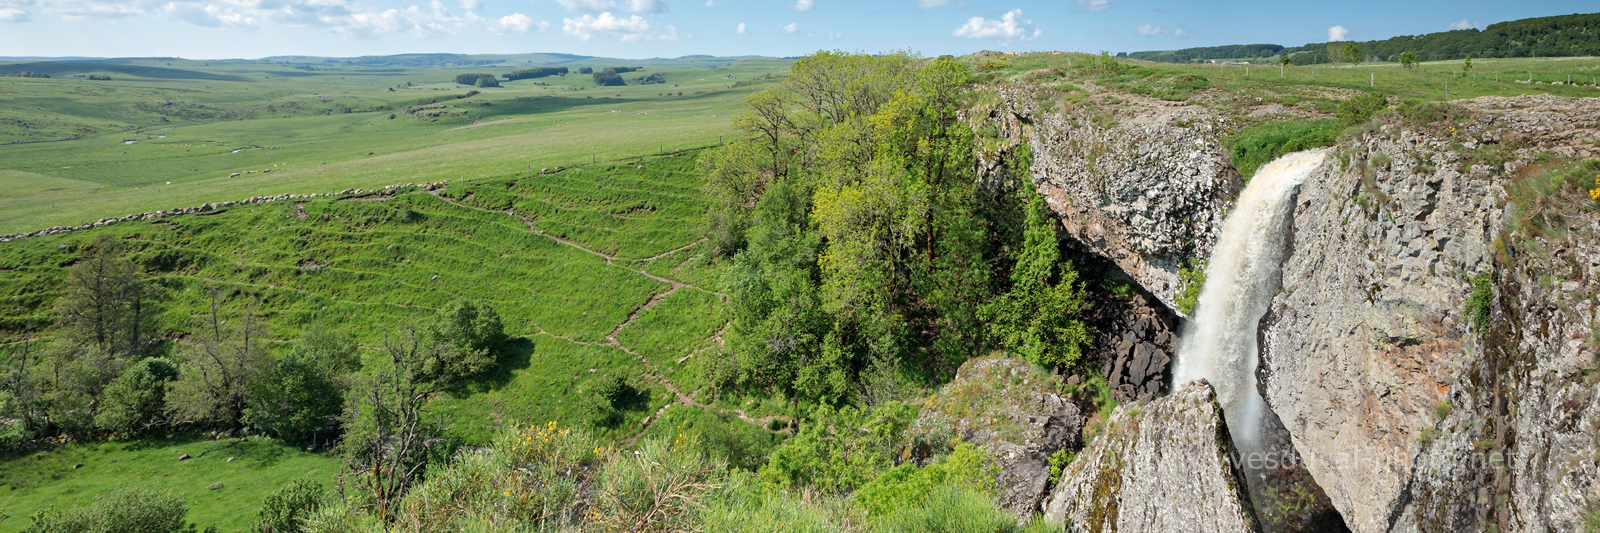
[
  {"x": 1463, "y": 25},
  {"x": 646, "y": 6},
  {"x": 924, "y": 4},
  {"x": 1338, "y": 33},
  {"x": 12, "y": 14},
  {"x": 207, "y": 15},
  {"x": 712, "y": 3},
  {"x": 471, "y": 4},
  {"x": 789, "y": 28},
  {"x": 805, "y": 5},
  {"x": 514, "y": 23},
  {"x": 587, "y": 5},
  {"x": 600, "y": 6},
  {"x": 671, "y": 34},
  {"x": 1180, "y": 33},
  {"x": 742, "y": 30},
  {"x": 1010, "y": 26},
  {"x": 1148, "y": 29},
  {"x": 584, "y": 27},
  {"x": 1097, "y": 5}
]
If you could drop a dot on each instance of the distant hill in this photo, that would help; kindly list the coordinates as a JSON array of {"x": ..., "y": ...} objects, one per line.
[
  {"x": 533, "y": 59},
  {"x": 1558, "y": 36}
]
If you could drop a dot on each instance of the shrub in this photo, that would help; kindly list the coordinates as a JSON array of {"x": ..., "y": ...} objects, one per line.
[
  {"x": 285, "y": 510},
  {"x": 1256, "y": 146},
  {"x": 653, "y": 79},
  {"x": 1193, "y": 279},
  {"x": 586, "y": 70},
  {"x": 837, "y": 451},
  {"x": 605, "y": 399},
  {"x": 950, "y": 508},
  {"x": 1425, "y": 113},
  {"x": 1360, "y": 108},
  {"x": 130, "y": 509},
  {"x": 906, "y": 485},
  {"x": 657, "y": 488},
  {"x": 487, "y": 81},
  {"x": 746, "y": 509},
  {"x": 608, "y": 79},
  {"x": 136, "y": 399},
  {"x": 1477, "y": 308},
  {"x": 471, "y": 326}
]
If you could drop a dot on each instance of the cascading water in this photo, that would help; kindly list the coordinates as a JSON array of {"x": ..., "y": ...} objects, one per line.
[{"x": 1219, "y": 341}]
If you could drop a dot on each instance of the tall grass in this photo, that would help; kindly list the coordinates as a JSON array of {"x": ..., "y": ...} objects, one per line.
[{"x": 1257, "y": 145}]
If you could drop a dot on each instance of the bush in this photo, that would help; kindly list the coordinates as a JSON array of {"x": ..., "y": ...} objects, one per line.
[
  {"x": 1477, "y": 308},
  {"x": 838, "y": 451},
  {"x": 1360, "y": 108},
  {"x": 136, "y": 399},
  {"x": 130, "y": 509},
  {"x": 1256, "y": 146},
  {"x": 471, "y": 326},
  {"x": 586, "y": 70},
  {"x": 605, "y": 399},
  {"x": 487, "y": 81},
  {"x": 285, "y": 510},
  {"x": 657, "y": 488},
  {"x": 608, "y": 78},
  {"x": 653, "y": 79},
  {"x": 907, "y": 486},
  {"x": 952, "y": 508}
]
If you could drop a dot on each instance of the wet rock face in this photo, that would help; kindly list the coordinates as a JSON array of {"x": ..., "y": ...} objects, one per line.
[
  {"x": 1407, "y": 415},
  {"x": 1010, "y": 410},
  {"x": 1167, "y": 465},
  {"x": 1138, "y": 338},
  {"x": 1143, "y": 183}
]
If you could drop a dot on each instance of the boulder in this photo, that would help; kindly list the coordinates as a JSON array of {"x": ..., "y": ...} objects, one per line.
[
  {"x": 1009, "y": 409},
  {"x": 1167, "y": 465}
]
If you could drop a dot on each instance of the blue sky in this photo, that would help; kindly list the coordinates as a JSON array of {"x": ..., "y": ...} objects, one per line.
[{"x": 216, "y": 29}]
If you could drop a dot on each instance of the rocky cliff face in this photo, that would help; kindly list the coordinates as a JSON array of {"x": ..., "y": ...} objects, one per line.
[
  {"x": 1141, "y": 182},
  {"x": 1406, "y": 413},
  {"x": 1167, "y": 465},
  {"x": 1010, "y": 409}
]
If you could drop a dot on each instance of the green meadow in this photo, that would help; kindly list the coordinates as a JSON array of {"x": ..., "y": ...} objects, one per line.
[{"x": 160, "y": 136}]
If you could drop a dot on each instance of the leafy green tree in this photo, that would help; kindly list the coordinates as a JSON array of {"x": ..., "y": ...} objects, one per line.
[
  {"x": 1040, "y": 317},
  {"x": 1285, "y": 60},
  {"x": 1466, "y": 67},
  {"x": 136, "y": 400},
  {"x": 1352, "y": 53},
  {"x": 388, "y": 441},
  {"x": 471, "y": 327},
  {"x": 1408, "y": 59},
  {"x": 1336, "y": 53}
]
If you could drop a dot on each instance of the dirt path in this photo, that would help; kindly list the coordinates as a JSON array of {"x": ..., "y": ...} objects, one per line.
[{"x": 679, "y": 397}]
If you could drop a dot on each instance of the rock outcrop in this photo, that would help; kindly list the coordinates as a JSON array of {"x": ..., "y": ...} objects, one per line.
[
  {"x": 1407, "y": 413},
  {"x": 1137, "y": 338},
  {"x": 1010, "y": 409},
  {"x": 1167, "y": 465},
  {"x": 1142, "y": 182}
]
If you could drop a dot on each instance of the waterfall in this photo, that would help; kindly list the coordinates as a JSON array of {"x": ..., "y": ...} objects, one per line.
[{"x": 1219, "y": 341}]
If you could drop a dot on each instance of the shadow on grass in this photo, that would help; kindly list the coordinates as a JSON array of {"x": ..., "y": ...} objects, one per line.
[{"x": 517, "y": 355}]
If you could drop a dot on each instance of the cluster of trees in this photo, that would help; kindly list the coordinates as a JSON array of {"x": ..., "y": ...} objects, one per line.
[
  {"x": 865, "y": 247},
  {"x": 1558, "y": 36},
  {"x": 114, "y": 369},
  {"x": 479, "y": 80},
  {"x": 100, "y": 77},
  {"x": 25, "y": 74},
  {"x": 536, "y": 73},
  {"x": 612, "y": 76},
  {"x": 652, "y": 79}
]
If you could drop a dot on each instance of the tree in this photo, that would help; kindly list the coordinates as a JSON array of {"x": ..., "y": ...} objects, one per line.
[
  {"x": 21, "y": 394},
  {"x": 1466, "y": 67},
  {"x": 1352, "y": 53},
  {"x": 217, "y": 371},
  {"x": 136, "y": 399},
  {"x": 107, "y": 302},
  {"x": 1336, "y": 53},
  {"x": 1408, "y": 60},
  {"x": 388, "y": 441},
  {"x": 472, "y": 328},
  {"x": 1039, "y": 317}
]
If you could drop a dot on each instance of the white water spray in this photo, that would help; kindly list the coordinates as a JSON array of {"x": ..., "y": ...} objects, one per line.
[{"x": 1219, "y": 341}]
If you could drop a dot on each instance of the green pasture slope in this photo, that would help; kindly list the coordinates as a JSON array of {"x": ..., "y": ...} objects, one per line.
[
  {"x": 168, "y": 133},
  {"x": 596, "y": 269}
]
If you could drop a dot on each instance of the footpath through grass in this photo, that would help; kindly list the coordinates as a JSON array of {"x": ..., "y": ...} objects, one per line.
[{"x": 595, "y": 270}]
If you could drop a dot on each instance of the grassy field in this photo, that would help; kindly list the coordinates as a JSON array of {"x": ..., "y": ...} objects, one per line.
[
  {"x": 596, "y": 269},
  {"x": 168, "y": 136},
  {"x": 74, "y": 475}
]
